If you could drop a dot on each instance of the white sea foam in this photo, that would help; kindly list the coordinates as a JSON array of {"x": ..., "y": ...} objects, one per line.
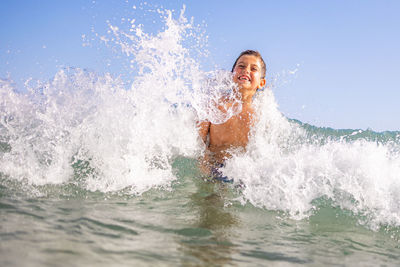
[
  {"x": 91, "y": 129},
  {"x": 128, "y": 137},
  {"x": 109, "y": 136},
  {"x": 285, "y": 169}
]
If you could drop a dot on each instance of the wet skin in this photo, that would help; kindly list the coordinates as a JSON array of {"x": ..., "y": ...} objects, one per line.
[{"x": 234, "y": 133}]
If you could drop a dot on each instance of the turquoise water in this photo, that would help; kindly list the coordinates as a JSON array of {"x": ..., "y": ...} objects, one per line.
[{"x": 196, "y": 223}]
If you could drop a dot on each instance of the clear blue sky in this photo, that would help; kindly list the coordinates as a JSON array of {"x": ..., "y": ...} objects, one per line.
[{"x": 348, "y": 52}]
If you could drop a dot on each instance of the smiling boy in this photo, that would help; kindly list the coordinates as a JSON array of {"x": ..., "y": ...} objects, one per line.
[{"x": 249, "y": 75}]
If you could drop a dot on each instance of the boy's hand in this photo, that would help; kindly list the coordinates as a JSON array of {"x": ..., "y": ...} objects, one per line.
[{"x": 203, "y": 128}]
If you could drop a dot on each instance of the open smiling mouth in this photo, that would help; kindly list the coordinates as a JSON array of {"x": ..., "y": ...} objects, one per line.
[{"x": 244, "y": 78}]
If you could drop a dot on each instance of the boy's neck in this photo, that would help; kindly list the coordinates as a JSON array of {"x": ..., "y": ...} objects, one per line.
[{"x": 247, "y": 97}]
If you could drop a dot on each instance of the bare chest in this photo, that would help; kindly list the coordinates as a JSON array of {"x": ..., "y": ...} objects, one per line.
[{"x": 234, "y": 132}]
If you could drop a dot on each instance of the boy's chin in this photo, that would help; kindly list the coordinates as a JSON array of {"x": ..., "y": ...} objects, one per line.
[
  {"x": 247, "y": 88},
  {"x": 245, "y": 92}
]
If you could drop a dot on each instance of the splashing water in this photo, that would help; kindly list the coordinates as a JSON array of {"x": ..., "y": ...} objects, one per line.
[
  {"x": 91, "y": 130},
  {"x": 90, "y": 126},
  {"x": 288, "y": 168}
]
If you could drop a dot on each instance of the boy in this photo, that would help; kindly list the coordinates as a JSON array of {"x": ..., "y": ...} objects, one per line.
[{"x": 249, "y": 74}]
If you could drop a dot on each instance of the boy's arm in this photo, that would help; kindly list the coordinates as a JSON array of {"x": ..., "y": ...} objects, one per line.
[{"x": 204, "y": 162}]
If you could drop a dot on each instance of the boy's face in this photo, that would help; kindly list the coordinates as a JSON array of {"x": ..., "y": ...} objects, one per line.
[{"x": 247, "y": 73}]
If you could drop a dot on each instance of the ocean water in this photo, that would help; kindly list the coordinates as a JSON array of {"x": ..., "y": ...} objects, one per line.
[{"x": 98, "y": 171}]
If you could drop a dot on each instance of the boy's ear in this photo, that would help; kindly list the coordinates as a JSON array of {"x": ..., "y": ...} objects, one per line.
[{"x": 262, "y": 83}]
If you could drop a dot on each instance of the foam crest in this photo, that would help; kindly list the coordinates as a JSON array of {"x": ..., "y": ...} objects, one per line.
[
  {"x": 287, "y": 170},
  {"x": 90, "y": 129}
]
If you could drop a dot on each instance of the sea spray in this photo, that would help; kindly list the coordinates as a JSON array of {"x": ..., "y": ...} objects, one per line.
[
  {"x": 124, "y": 138},
  {"x": 103, "y": 134},
  {"x": 169, "y": 60}
]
